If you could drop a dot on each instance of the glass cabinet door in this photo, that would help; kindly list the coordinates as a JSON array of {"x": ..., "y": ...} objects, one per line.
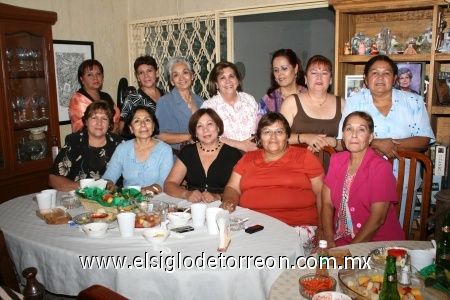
[{"x": 27, "y": 91}]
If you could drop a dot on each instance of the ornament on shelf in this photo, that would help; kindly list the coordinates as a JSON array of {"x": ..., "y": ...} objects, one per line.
[{"x": 347, "y": 50}]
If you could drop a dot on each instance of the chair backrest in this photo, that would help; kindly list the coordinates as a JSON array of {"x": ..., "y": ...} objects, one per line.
[
  {"x": 176, "y": 151},
  {"x": 426, "y": 189},
  {"x": 321, "y": 155},
  {"x": 123, "y": 90},
  {"x": 8, "y": 276}
]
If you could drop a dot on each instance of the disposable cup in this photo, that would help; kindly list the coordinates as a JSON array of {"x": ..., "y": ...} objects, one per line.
[
  {"x": 126, "y": 222},
  {"x": 211, "y": 223},
  {"x": 53, "y": 192},
  {"x": 44, "y": 200},
  {"x": 198, "y": 212},
  {"x": 86, "y": 182},
  {"x": 421, "y": 258}
]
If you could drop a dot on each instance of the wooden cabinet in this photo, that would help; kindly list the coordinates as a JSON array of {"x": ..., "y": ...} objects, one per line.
[
  {"x": 28, "y": 101},
  {"x": 406, "y": 18}
]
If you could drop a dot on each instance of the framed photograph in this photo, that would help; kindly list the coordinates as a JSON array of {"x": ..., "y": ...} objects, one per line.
[
  {"x": 353, "y": 84},
  {"x": 68, "y": 57},
  {"x": 411, "y": 77}
]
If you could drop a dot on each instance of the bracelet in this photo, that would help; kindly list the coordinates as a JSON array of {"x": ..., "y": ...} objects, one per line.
[{"x": 298, "y": 138}]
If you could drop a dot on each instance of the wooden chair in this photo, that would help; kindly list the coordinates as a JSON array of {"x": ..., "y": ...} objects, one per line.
[
  {"x": 8, "y": 276},
  {"x": 426, "y": 189},
  {"x": 99, "y": 292},
  {"x": 176, "y": 151}
]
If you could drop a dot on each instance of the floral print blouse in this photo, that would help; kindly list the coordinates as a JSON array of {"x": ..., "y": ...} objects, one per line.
[
  {"x": 77, "y": 160},
  {"x": 239, "y": 122}
]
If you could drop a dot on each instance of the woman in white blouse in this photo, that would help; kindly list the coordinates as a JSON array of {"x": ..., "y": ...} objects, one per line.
[{"x": 237, "y": 109}]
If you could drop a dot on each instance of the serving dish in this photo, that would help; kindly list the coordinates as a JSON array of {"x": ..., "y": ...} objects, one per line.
[
  {"x": 379, "y": 255},
  {"x": 95, "y": 229},
  {"x": 312, "y": 284},
  {"x": 367, "y": 284},
  {"x": 156, "y": 235},
  {"x": 89, "y": 217},
  {"x": 330, "y": 296},
  {"x": 178, "y": 218}
]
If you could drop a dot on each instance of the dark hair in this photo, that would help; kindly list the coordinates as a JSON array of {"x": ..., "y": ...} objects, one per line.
[
  {"x": 385, "y": 58},
  {"x": 94, "y": 107},
  {"x": 217, "y": 71},
  {"x": 198, "y": 114},
  {"x": 362, "y": 115},
  {"x": 88, "y": 65},
  {"x": 293, "y": 61},
  {"x": 271, "y": 118},
  {"x": 126, "y": 129},
  {"x": 321, "y": 61},
  {"x": 145, "y": 60}
]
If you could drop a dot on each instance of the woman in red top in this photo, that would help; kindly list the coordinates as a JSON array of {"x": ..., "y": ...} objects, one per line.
[{"x": 280, "y": 181}]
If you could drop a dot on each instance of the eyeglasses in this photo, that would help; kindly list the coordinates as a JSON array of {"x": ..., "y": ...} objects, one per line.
[{"x": 278, "y": 132}]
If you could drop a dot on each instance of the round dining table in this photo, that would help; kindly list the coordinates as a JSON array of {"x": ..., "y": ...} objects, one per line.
[
  {"x": 185, "y": 266},
  {"x": 286, "y": 287}
]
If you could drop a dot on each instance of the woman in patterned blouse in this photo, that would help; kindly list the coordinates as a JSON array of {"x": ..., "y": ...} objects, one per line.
[
  {"x": 87, "y": 152},
  {"x": 237, "y": 109}
]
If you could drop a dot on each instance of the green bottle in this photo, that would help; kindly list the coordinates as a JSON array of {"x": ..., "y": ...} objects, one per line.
[
  {"x": 389, "y": 290},
  {"x": 443, "y": 246}
]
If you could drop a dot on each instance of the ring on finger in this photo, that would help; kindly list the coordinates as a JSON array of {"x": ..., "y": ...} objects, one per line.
[{"x": 314, "y": 145}]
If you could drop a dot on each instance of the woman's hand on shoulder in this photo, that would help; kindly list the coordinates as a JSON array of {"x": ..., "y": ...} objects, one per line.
[
  {"x": 315, "y": 142},
  {"x": 248, "y": 145}
]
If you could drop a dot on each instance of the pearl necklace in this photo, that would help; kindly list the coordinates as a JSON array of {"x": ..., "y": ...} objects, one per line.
[
  {"x": 206, "y": 150},
  {"x": 320, "y": 104},
  {"x": 188, "y": 103}
]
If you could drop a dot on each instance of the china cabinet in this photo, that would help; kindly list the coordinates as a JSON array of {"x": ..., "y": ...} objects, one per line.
[
  {"x": 405, "y": 19},
  {"x": 28, "y": 103}
]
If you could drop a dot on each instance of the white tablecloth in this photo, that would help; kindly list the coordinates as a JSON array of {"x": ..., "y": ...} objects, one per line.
[
  {"x": 56, "y": 250},
  {"x": 287, "y": 285}
]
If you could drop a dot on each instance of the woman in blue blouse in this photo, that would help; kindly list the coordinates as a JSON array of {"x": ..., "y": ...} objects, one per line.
[{"x": 142, "y": 161}]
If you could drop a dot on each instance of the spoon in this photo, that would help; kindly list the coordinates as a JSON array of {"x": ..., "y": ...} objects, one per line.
[
  {"x": 184, "y": 211},
  {"x": 434, "y": 243}
]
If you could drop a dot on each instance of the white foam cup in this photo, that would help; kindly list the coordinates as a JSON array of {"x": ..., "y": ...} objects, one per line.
[
  {"x": 44, "y": 200},
  {"x": 421, "y": 258},
  {"x": 53, "y": 192},
  {"x": 87, "y": 182},
  {"x": 126, "y": 222},
  {"x": 198, "y": 212},
  {"x": 211, "y": 223}
]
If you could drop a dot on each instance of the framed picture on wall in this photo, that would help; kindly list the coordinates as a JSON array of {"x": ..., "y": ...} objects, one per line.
[
  {"x": 411, "y": 76},
  {"x": 353, "y": 84},
  {"x": 68, "y": 57}
]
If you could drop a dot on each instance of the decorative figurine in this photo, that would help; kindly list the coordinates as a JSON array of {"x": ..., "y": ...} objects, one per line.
[
  {"x": 410, "y": 50},
  {"x": 374, "y": 49},
  {"x": 361, "y": 48},
  {"x": 347, "y": 48}
]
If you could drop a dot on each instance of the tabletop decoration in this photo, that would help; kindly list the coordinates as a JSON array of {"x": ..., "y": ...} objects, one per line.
[{"x": 93, "y": 198}]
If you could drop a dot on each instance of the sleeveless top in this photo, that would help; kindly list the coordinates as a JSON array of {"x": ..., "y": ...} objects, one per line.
[{"x": 303, "y": 123}]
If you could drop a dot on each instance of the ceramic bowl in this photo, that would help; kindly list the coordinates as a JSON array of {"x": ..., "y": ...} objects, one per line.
[
  {"x": 156, "y": 235},
  {"x": 179, "y": 218},
  {"x": 95, "y": 229},
  {"x": 331, "y": 296}
]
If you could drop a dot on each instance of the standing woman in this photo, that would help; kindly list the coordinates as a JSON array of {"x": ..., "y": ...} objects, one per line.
[
  {"x": 314, "y": 115},
  {"x": 206, "y": 165},
  {"x": 176, "y": 108},
  {"x": 286, "y": 78},
  {"x": 142, "y": 161},
  {"x": 237, "y": 109},
  {"x": 90, "y": 77},
  {"x": 147, "y": 74}
]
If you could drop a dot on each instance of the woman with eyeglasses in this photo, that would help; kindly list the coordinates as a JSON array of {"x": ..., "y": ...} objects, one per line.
[
  {"x": 315, "y": 114},
  {"x": 278, "y": 180}
]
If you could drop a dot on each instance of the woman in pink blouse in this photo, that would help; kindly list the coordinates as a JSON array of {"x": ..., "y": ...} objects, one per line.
[{"x": 237, "y": 109}]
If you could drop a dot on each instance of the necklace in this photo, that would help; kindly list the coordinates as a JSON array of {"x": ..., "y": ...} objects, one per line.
[
  {"x": 320, "y": 104},
  {"x": 206, "y": 150},
  {"x": 188, "y": 103}
]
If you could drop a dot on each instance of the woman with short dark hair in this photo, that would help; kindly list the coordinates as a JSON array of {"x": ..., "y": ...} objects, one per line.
[
  {"x": 90, "y": 77},
  {"x": 206, "y": 165},
  {"x": 88, "y": 151}
]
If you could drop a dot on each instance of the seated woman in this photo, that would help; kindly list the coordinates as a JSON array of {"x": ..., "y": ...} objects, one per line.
[
  {"x": 142, "y": 161},
  {"x": 360, "y": 190},
  {"x": 87, "y": 152},
  {"x": 278, "y": 180},
  {"x": 206, "y": 165}
]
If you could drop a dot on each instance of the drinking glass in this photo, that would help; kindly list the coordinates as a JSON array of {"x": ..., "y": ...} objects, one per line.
[
  {"x": 22, "y": 104},
  {"x": 34, "y": 106},
  {"x": 36, "y": 56},
  {"x": 43, "y": 104},
  {"x": 21, "y": 55},
  {"x": 9, "y": 56},
  {"x": 15, "y": 109}
]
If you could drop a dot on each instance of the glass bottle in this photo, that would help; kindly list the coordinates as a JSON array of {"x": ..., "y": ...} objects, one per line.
[
  {"x": 443, "y": 246},
  {"x": 322, "y": 255},
  {"x": 55, "y": 148},
  {"x": 389, "y": 290}
]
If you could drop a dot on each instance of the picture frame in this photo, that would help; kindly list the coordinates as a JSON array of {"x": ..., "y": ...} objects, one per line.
[
  {"x": 416, "y": 73},
  {"x": 353, "y": 84},
  {"x": 68, "y": 57}
]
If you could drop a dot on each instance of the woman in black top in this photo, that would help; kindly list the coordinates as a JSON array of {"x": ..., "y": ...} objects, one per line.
[{"x": 206, "y": 165}]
